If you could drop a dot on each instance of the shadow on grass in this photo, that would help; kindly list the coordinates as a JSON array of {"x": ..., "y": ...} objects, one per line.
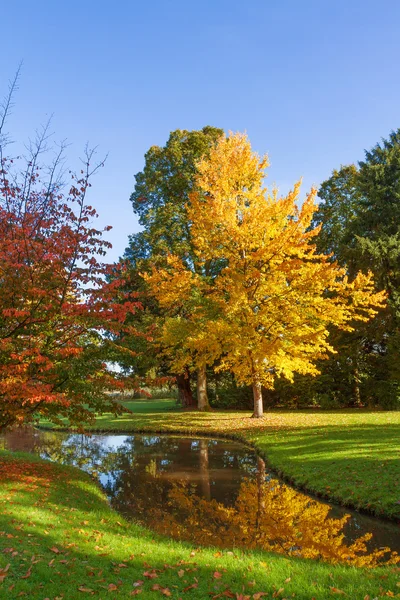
[{"x": 358, "y": 465}]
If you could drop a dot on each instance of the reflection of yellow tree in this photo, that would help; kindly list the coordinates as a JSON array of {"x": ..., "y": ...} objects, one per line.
[{"x": 285, "y": 521}]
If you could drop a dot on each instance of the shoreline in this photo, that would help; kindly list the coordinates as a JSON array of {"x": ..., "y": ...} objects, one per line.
[{"x": 284, "y": 477}]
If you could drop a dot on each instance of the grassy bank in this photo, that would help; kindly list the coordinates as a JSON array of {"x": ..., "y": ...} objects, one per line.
[
  {"x": 351, "y": 457},
  {"x": 59, "y": 540}
]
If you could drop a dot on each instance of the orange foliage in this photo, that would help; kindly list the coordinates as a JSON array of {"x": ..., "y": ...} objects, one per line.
[{"x": 55, "y": 302}]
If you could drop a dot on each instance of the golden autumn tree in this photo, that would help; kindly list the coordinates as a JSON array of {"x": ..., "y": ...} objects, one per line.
[
  {"x": 266, "y": 311},
  {"x": 276, "y": 294}
]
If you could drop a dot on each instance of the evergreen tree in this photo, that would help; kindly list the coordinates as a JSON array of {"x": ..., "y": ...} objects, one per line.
[{"x": 360, "y": 218}]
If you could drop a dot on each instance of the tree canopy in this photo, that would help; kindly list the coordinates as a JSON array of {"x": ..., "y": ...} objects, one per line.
[
  {"x": 275, "y": 294},
  {"x": 59, "y": 317},
  {"x": 160, "y": 199},
  {"x": 360, "y": 219}
]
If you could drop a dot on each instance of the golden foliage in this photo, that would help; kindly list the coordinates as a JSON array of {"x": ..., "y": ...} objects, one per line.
[
  {"x": 277, "y": 295},
  {"x": 267, "y": 309}
]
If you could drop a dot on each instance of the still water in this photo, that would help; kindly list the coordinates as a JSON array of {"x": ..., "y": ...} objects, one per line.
[{"x": 213, "y": 492}]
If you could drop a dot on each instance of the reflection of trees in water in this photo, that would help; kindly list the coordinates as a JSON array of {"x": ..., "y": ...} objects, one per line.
[
  {"x": 205, "y": 491},
  {"x": 79, "y": 450},
  {"x": 147, "y": 466},
  {"x": 267, "y": 515},
  {"x": 204, "y": 470},
  {"x": 263, "y": 514},
  {"x": 89, "y": 453}
]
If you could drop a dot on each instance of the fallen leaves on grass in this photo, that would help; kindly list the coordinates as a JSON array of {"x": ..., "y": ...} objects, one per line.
[
  {"x": 190, "y": 587},
  {"x": 164, "y": 590},
  {"x": 3, "y": 572},
  {"x": 27, "y": 574},
  {"x": 150, "y": 574}
]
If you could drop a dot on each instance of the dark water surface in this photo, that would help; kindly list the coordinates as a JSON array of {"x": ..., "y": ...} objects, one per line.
[{"x": 214, "y": 492}]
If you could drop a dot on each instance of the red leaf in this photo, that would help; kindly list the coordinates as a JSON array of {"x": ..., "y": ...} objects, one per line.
[
  {"x": 28, "y": 573},
  {"x": 150, "y": 574},
  {"x": 158, "y": 588},
  {"x": 3, "y": 573},
  {"x": 189, "y": 587}
]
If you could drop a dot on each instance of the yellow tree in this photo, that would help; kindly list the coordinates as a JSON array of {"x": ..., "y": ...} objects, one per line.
[
  {"x": 186, "y": 334},
  {"x": 276, "y": 296}
]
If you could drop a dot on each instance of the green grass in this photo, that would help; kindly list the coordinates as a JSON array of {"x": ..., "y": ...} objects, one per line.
[
  {"x": 349, "y": 456},
  {"x": 149, "y": 406},
  {"x": 60, "y": 540}
]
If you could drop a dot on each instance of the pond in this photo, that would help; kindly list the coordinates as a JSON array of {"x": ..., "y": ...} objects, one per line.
[{"x": 213, "y": 492}]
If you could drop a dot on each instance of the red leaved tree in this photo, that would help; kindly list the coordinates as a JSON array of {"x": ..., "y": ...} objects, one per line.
[{"x": 59, "y": 312}]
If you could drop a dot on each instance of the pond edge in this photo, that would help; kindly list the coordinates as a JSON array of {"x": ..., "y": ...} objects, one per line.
[{"x": 301, "y": 487}]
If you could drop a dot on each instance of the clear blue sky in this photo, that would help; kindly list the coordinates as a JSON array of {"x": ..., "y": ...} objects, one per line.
[{"x": 313, "y": 82}]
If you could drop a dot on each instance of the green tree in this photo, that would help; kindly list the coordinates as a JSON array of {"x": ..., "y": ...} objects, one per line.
[
  {"x": 337, "y": 212},
  {"x": 160, "y": 200},
  {"x": 360, "y": 218}
]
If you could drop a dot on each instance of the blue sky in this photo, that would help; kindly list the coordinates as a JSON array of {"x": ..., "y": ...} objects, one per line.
[{"x": 313, "y": 82}]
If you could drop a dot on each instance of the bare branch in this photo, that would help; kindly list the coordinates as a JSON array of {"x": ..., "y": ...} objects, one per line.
[
  {"x": 7, "y": 104},
  {"x": 35, "y": 149}
]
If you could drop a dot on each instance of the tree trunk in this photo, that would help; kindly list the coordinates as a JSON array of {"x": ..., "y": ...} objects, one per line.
[
  {"x": 184, "y": 390},
  {"x": 258, "y": 402},
  {"x": 202, "y": 398},
  {"x": 356, "y": 387}
]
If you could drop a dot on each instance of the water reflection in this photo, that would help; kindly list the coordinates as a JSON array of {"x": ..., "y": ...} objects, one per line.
[{"x": 214, "y": 492}]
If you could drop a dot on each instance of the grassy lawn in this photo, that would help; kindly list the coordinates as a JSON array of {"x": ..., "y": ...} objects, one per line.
[
  {"x": 59, "y": 540},
  {"x": 351, "y": 457}
]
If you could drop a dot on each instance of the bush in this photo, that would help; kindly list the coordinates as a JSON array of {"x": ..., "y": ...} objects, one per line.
[
  {"x": 156, "y": 393},
  {"x": 232, "y": 397}
]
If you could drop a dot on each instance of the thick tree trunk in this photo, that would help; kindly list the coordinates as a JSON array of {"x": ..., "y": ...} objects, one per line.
[
  {"x": 356, "y": 388},
  {"x": 204, "y": 472},
  {"x": 258, "y": 402},
  {"x": 202, "y": 397},
  {"x": 184, "y": 390}
]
